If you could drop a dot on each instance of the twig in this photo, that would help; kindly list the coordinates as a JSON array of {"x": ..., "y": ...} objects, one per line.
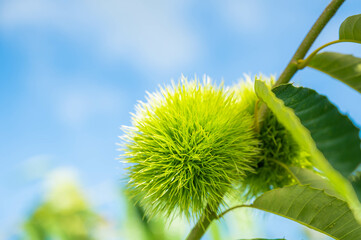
[
  {"x": 302, "y": 50},
  {"x": 307, "y": 42},
  {"x": 302, "y": 63},
  {"x": 232, "y": 208}
]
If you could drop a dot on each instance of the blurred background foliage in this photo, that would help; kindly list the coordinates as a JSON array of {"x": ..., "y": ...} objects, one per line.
[{"x": 65, "y": 213}]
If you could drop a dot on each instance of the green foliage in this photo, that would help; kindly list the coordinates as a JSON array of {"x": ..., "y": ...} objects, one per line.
[
  {"x": 193, "y": 143},
  {"x": 313, "y": 208},
  {"x": 189, "y": 145},
  {"x": 313, "y": 179},
  {"x": 350, "y": 28},
  {"x": 337, "y": 139},
  {"x": 138, "y": 226},
  {"x": 276, "y": 146},
  {"x": 356, "y": 184},
  {"x": 345, "y": 68},
  {"x": 303, "y": 136},
  {"x": 65, "y": 215}
]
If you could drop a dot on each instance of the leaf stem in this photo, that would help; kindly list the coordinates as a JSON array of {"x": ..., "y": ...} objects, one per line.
[
  {"x": 302, "y": 63},
  {"x": 232, "y": 208},
  {"x": 307, "y": 42},
  {"x": 251, "y": 206}
]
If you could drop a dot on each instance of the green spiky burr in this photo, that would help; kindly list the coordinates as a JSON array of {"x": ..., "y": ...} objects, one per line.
[{"x": 188, "y": 146}]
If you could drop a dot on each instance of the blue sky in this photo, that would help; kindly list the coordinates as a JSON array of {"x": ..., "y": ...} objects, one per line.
[{"x": 71, "y": 71}]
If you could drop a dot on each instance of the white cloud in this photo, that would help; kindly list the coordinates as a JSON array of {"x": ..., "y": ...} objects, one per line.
[{"x": 152, "y": 34}]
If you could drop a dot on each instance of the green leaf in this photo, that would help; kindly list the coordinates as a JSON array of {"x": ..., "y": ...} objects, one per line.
[
  {"x": 334, "y": 134},
  {"x": 357, "y": 186},
  {"x": 307, "y": 177},
  {"x": 324, "y": 122},
  {"x": 312, "y": 208},
  {"x": 343, "y": 67},
  {"x": 350, "y": 29}
]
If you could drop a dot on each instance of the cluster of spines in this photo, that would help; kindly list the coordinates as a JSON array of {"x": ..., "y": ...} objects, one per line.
[
  {"x": 193, "y": 143},
  {"x": 277, "y": 148},
  {"x": 189, "y": 144}
]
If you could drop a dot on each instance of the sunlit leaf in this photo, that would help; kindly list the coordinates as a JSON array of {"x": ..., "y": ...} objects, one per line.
[
  {"x": 307, "y": 177},
  {"x": 343, "y": 67},
  {"x": 315, "y": 125},
  {"x": 312, "y": 208},
  {"x": 333, "y": 133},
  {"x": 350, "y": 29}
]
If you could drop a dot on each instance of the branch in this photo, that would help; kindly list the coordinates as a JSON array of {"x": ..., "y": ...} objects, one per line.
[
  {"x": 302, "y": 50},
  {"x": 307, "y": 42}
]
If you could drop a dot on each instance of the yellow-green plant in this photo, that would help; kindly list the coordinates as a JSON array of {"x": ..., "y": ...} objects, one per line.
[
  {"x": 277, "y": 147},
  {"x": 276, "y": 144},
  {"x": 189, "y": 145},
  {"x": 64, "y": 214}
]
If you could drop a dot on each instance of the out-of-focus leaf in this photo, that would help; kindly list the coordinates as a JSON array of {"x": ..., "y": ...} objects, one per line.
[
  {"x": 263, "y": 239},
  {"x": 65, "y": 215}
]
